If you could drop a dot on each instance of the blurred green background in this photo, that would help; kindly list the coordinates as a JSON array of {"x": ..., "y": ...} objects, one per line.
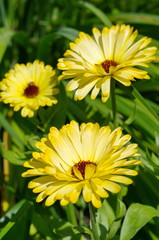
[{"x": 37, "y": 29}]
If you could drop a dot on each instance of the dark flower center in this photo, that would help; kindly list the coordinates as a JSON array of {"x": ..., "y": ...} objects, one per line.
[
  {"x": 107, "y": 63},
  {"x": 31, "y": 91},
  {"x": 81, "y": 167}
]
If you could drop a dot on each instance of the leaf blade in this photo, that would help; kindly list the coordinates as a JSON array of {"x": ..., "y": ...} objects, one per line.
[{"x": 136, "y": 217}]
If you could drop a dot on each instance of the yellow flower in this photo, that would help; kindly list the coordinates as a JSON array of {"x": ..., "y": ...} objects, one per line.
[
  {"x": 29, "y": 87},
  {"x": 91, "y": 62},
  {"x": 83, "y": 159}
]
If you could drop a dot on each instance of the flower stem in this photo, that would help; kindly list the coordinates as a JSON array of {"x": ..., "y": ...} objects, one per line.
[
  {"x": 70, "y": 211},
  {"x": 113, "y": 101},
  {"x": 93, "y": 223}
]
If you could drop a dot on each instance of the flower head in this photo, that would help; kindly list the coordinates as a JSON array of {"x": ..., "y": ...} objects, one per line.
[
  {"x": 91, "y": 62},
  {"x": 83, "y": 159},
  {"x": 29, "y": 87}
]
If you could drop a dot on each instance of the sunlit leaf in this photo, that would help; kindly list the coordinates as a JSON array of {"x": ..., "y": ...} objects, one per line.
[
  {"x": 21, "y": 211},
  {"x": 136, "y": 217}
]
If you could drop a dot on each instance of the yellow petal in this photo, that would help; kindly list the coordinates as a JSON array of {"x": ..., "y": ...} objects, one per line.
[
  {"x": 89, "y": 171},
  {"x": 111, "y": 186},
  {"x": 64, "y": 201},
  {"x": 41, "y": 197},
  {"x": 87, "y": 192},
  {"x": 121, "y": 179},
  {"x": 99, "y": 190},
  {"x": 96, "y": 200},
  {"x": 77, "y": 173},
  {"x": 50, "y": 200}
]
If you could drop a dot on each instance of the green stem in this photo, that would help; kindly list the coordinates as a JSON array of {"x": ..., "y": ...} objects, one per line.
[
  {"x": 70, "y": 211},
  {"x": 113, "y": 101},
  {"x": 93, "y": 223}
]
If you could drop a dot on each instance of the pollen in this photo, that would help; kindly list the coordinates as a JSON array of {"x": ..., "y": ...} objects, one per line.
[
  {"x": 107, "y": 64},
  {"x": 81, "y": 167},
  {"x": 31, "y": 90}
]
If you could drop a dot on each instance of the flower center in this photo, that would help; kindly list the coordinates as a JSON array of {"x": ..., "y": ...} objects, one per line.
[
  {"x": 107, "y": 63},
  {"x": 31, "y": 91},
  {"x": 81, "y": 167}
]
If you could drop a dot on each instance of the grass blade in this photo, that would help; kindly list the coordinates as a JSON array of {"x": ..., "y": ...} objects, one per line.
[
  {"x": 140, "y": 18},
  {"x": 23, "y": 208},
  {"x": 97, "y": 12},
  {"x": 10, "y": 130},
  {"x": 5, "y": 37}
]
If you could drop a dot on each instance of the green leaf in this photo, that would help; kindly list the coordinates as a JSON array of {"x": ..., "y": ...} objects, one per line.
[
  {"x": 19, "y": 131},
  {"x": 157, "y": 140},
  {"x": 141, "y": 18},
  {"x": 120, "y": 212},
  {"x": 82, "y": 229},
  {"x": 113, "y": 229},
  {"x": 70, "y": 212},
  {"x": 99, "y": 106},
  {"x": 8, "y": 215},
  {"x": 10, "y": 130},
  {"x": 105, "y": 217},
  {"x": 131, "y": 118},
  {"x": 5, "y": 37},
  {"x": 146, "y": 106},
  {"x": 77, "y": 109},
  {"x": 148, "y": 85},
  {"x": 101, "y": 15},
  {"x": 67, "y": 32},
  {"x": 136, "y": 217},
  {"x": 22, "y": 209},
  {"x": 12, "y": 157},
  {"x": 40, "y": 220},
  {"x": 22, "y": 38},
  {"x": 121, "y": 209},
  {"x": 58, "y": 116},
  {"x": 45, "y": 46},
  {"x": 47, "y": 41},
  {"x": 142, "y": 119}
]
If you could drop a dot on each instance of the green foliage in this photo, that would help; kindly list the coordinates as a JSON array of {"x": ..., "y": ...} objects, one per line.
[
  {"x": 136, "y": 217},
  {"x": 36, "y": 30},
  {"x": 6, "y": 35}
]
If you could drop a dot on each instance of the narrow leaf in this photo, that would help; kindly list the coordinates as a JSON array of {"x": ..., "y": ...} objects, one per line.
[
  {"x": 133, "y": 93},
  {"x": 141, "y": 18},
  {"x": 69, "y": 33},
  {"x": 12, "y": 157},
  {"x": 102, "y": 16},
  {"x": 5, "y": 37},
  {"x": 24, "y": 207},
  {"x": 145, "y": 105},
  {"x": 10, "y": 130}
]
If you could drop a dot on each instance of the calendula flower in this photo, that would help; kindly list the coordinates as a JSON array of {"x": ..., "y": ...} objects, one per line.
[
  {"x": 28, "y": 87},
  {"x": 91, "y": 62},
  {"x": 83, "y": 159}
]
